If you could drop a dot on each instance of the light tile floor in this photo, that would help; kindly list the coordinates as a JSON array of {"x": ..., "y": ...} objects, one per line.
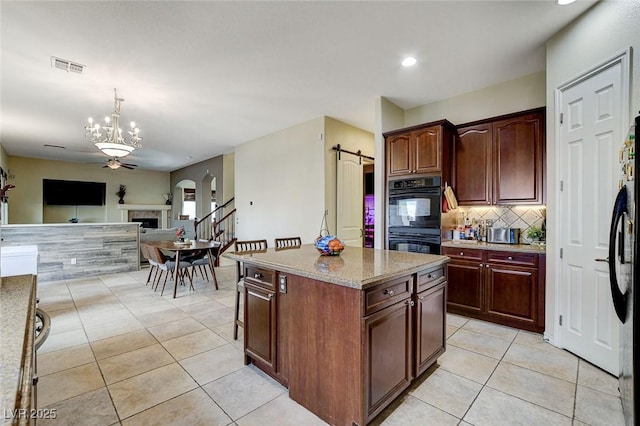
[{"x": 119, "y": 353}]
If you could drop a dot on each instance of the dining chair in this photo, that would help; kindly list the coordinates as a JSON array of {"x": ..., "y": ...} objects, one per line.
[
  {"x": 201, "y": 261},
  {"x": 249, "y": 246},
  {"x": 288, "y": 242},
  {"x": 153, "y": 265},
  {"x": 167, "y": 265}
]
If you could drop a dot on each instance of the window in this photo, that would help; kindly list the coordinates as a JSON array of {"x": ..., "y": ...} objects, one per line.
[{"x": 189, "y": 202}]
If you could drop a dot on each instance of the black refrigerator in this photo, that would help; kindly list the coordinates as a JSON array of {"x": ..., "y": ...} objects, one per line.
[{"x": 623, "y": 249}]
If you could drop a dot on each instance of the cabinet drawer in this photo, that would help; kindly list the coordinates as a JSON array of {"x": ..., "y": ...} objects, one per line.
[
  {"x": 387, "y": 294},
  {"x": 463, "y": 253},
  {"x": 260, "y": 276},
  {"x": 428, "y": 279},
  {"x": 512, "y": 258}
]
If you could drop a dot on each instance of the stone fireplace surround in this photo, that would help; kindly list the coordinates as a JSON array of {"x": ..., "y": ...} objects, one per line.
[{"x": 158, "y": 211}]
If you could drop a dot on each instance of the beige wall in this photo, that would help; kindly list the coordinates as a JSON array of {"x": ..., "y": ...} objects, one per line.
[
  {"x": 606, "y": 30},
  {"x": 228, "y": 171},
  {"x": 25, "y": 201},
  {"x": 511, "y": 96},
  {"x": 279, "y": 184},
  {"x": 202, "y": 174},
  {"x": 388, "y": 116},
  {"x": 349, "y": 138}
]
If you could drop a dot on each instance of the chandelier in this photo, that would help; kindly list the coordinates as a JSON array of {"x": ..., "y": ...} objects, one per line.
[{"x": 109, "y": 138}]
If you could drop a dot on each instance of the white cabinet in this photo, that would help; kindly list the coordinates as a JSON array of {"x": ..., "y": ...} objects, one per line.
[{"x": 18, "y": 260}]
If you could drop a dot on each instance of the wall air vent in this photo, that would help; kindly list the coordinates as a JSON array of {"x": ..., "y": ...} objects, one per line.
[{"x": 66, "y": 65}]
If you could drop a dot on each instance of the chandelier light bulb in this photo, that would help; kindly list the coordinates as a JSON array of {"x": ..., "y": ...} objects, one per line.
[
  {"x": 133, "y": 124},
  {"x": 90, "y": 120},
  {"x": 107, "y": 120}
]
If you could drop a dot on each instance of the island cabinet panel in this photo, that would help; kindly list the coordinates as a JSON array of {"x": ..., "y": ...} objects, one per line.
[
  {"x": 325, "y": 373},
  {"x": 260, "y": 326},
  {"x": 388, "y": 355},
  {"x": 504, "y": 287},
  {"x": 430, "y": 326}
]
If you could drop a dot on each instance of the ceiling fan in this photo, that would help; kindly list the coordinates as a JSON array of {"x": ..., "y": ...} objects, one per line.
[{"x": 114, "y": 163}]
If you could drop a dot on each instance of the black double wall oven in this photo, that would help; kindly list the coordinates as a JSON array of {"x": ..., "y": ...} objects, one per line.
[{"x": 414, "y": 215}]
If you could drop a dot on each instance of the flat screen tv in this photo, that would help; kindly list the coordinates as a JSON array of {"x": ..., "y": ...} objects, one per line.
[{"x": 73, "y": 193}]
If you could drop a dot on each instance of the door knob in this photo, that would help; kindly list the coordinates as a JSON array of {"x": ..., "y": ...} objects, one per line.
[{"x": 602, "y": 260}]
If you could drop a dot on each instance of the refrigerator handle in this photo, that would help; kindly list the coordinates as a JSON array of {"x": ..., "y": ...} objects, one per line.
[{"x": 619, "y": 299}]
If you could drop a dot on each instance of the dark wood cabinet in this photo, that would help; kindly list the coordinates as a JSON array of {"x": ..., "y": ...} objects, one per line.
[
  {"x": 499, "y": 286},
  {"x": 388, "y": 355},
  {"x": 260, "y": 326},
  {"x": 472, "y": 166},
  {"x": 344, "y": 353},
  {"x": 431, "y": 326},
  {"x": 423, "y": 149},
  {"x": 500, "y": 161}
]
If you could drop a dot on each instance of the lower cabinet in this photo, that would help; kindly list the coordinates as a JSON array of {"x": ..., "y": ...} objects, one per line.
[
  {"x": 430, "y": 327},
  {"x": 260, "y": 326},
  {"x": 388, "y": 354},
  {"x": 504, "y": 287}
]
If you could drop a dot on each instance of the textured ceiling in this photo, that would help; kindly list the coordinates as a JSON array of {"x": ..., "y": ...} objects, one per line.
[{"x": 202, "y": 77}]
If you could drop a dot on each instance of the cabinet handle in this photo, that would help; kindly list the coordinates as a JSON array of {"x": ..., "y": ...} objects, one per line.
[
  {"x": 461, "y": 253},
  {"x": 489, "y": 202},
  {"x": 258, "y": 276},
  {"x": 510, "y": 258},
  {"x": 421, "y": 297},
  {"x": 410, "y": 303},
  {"x": 481, "y": 265},
  {"x": 486, "y": 266},
  {"x": 389, "y": 292},
  {"x": 259, "y": 296},
  {"x": 429, "y": 276}
]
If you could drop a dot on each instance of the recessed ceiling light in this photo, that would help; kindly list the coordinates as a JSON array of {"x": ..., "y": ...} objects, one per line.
[
  {"x": 564, "y": 2},
  {"x": 409, "y": 61}
]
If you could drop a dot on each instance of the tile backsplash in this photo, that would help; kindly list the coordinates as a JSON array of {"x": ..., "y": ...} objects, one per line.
[{"x": 522, "y": 217}]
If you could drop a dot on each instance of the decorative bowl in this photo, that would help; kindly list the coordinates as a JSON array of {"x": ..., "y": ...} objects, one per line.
[{"x": 329, "y": 245}]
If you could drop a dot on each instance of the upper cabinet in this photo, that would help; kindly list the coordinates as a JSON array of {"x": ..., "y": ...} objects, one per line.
[
  {"x": 501, "y": 160},
  {"x": 423, "y": 149}
]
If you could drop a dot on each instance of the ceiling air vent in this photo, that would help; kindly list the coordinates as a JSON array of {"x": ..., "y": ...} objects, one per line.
[{"x": 66, "y": 65}]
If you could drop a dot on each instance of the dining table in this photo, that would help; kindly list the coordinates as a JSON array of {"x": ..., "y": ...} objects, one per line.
[{"x": 184, "y": 249}]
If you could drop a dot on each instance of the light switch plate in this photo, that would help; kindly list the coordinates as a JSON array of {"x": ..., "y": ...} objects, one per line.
[{"x": 282, "y": 283}]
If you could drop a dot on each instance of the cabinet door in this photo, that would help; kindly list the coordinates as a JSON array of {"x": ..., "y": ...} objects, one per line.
[
  {"x": 399, "y": 155},
  {"x": 472, "y": 165},
  {"x": 465, "y": 287},
  {"x": 431, "y": 326},
  {"x": 428, "y": 149},
  {"x": 518, "y": 160},
  {"x": 512, "y": 295},
  {"x": 388, "y": 355},
  {"x": 260, "y": 326}
]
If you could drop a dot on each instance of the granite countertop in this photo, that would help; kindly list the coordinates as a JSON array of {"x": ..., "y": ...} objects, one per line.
[
  {"x": 527, "y": 248},
  {"x": 17, "y": 317},
  {"x": 356, "y": 267}
]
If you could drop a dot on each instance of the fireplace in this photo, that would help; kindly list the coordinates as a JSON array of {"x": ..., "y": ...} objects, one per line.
[
  {"x": 147, "y": 222},
  {"x": 133, "y": 212}
]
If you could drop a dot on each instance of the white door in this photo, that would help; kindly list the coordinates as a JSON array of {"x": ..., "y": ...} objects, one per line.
[
  {"x": 349, "y": 190},
  {"x": 590, "y": 137}
]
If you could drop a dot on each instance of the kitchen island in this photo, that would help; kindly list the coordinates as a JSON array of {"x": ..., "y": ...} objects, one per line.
[{"x": 346, "y": 334}]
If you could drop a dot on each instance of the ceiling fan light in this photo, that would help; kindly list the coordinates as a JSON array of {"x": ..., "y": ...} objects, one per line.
[{"x": 114, "y": 149}]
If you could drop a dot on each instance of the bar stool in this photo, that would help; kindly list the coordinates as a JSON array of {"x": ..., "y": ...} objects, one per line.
[{"x": 288, "y": 243}]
